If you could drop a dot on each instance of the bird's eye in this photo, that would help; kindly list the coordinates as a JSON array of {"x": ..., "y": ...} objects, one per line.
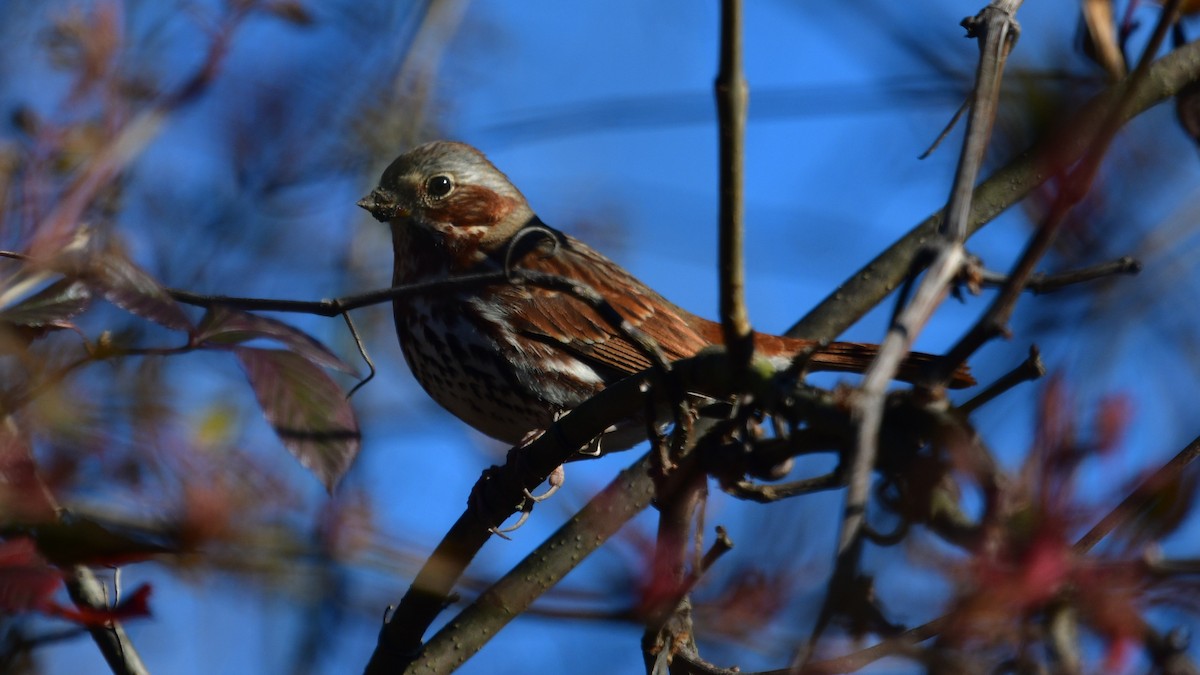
[{"x": 439, "y": 186}]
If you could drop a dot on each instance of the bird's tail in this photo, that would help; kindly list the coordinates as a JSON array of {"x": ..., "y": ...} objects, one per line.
[{"x": 854, "y": 357}]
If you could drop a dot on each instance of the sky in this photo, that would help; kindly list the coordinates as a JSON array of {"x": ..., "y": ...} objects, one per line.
[{"x": 601, "y": 113}]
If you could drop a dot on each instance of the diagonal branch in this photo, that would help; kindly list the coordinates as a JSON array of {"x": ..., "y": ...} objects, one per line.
[
  {"x": 997, "y": 29},
  {"x": 112, "y": 640},
  {"x": 500, "y": 491},
  {"x": 626, "y": 496}
]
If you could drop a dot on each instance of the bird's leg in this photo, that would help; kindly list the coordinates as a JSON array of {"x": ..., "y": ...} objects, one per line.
[
  {"x": 558, "y": 475},
  {"x": 556, "y": 478}
]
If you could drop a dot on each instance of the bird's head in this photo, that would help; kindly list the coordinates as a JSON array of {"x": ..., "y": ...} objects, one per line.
[{"x": 453, "y": 193}]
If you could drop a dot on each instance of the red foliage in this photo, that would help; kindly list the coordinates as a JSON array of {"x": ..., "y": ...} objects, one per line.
[
  {"x": 28, "y": 584},
  {"x": 1029, "y": 567},
  {"x": 27, "y": 581}
]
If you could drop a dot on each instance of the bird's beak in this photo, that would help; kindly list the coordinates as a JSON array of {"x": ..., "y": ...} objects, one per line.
[{"x": 381, "y": 203}]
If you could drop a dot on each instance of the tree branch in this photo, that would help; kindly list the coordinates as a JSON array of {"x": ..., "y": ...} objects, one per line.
[
  {"x": 500, "y": 490},
  {"x": 87, "y": 591}
]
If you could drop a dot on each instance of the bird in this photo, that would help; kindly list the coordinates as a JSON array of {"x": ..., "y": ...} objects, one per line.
[{"x": 509, "y": 358}]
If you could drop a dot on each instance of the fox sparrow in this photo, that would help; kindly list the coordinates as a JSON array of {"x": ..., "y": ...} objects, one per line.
[{"x": 507, "y": 358}]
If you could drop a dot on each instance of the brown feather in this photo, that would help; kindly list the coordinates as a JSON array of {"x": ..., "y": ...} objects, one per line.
[{"x": 551, "y": 316}]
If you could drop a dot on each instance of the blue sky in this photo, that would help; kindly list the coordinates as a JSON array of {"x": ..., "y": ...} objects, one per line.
[{"x": 601, "y": 113}]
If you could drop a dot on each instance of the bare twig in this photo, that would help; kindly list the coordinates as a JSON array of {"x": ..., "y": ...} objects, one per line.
[
  {"x": 864, "y": 657},
  {"x": 669, "y": 626},
  {"x": 767, "y": 493},
  {"x": 362, "y": 352},
  {"x": 334, "y": 307},
  {"x": 1029, "y": 369},
  {"x": 997, "y": 31},
  {"x": 1049, "y": 283},
  {"x": 962, "y": 109}
]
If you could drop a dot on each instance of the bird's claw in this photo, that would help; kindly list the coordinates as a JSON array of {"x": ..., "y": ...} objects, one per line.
[{"x": 555, "y": 479}]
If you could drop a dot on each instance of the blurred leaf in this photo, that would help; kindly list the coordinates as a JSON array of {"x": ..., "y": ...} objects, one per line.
[
  {"x": 135, "y": 604},
  {"x": 50, "y": 307},
  {"x": 217, "y": 425},
  {"x": 307, "y": 408},
  {"x": 226, "y": 326},
  {"x": 290, "y": 11},
  {"x": 1112, "y": 420},
  {"x": 1160, "y": 508},
  {"x": 24, "y": 498},
  {"x": 129, "y": 287},
  {"x": 75, "y": 540},
  {"x": 26, "y": 580}
]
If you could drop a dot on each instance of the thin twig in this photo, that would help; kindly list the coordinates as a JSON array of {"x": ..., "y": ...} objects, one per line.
[
  {"x": 1048, "y": 283},
  {"x": 1030, "y": 369},
  {"x": 362, "y": 352},
  {"x": 962, "y": 109},
  {"x": 996, "y": 29},
  {"x": 864, "y": 657},
  {"x": 767, "y": 493}
]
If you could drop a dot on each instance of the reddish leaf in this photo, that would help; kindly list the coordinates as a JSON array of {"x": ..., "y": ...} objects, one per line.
[
  {"x": 135, "y": 605},
  {"x": 26, "y": 580},
  {"x": 24, "y": 498},
  {"x": 27, "y": 584},
  {"x": 225, "y": 326},
  {"x": 307, "y": 409},
  {"x": 1112, "y": 419},
  {"x": 53, "y": 306},
  {"x": 129, "y": 287}
]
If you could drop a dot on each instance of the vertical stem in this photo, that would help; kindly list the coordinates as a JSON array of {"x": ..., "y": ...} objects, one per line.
[
  {"x": 670, "y": 622},
  {"x": 732, "y": 96}
]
